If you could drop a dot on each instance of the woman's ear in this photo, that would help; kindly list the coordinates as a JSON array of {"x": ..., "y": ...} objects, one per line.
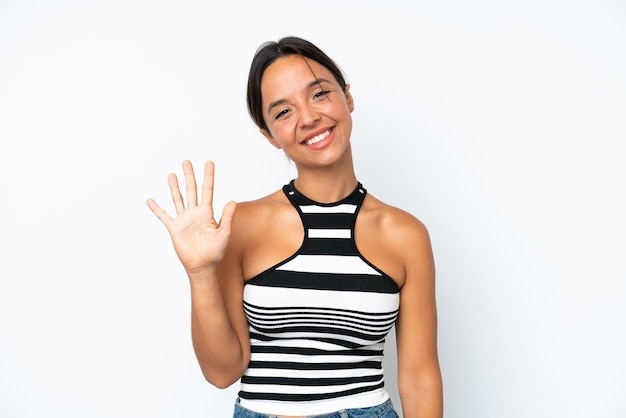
[
  {"x": 349, "y": 98},
  {"x": 270, "y": 138}
]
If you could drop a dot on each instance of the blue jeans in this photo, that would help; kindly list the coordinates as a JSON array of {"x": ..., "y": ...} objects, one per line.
[{"x": 384, "y": 410}]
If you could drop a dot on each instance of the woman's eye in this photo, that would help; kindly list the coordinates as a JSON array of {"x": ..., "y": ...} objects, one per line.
[
  {"x": 319, "y": 94},
  {"x": 281, "y": 113}
]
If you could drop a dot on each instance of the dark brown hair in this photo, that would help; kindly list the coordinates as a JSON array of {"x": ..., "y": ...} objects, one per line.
[{"x": 269, "y": 52}]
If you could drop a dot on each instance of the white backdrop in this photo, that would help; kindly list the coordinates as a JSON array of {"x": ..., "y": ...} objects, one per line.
[{"x": 501, "y": 125}]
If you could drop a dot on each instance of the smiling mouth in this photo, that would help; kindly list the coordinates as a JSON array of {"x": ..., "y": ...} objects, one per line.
[{"x": 318, "y": 138}]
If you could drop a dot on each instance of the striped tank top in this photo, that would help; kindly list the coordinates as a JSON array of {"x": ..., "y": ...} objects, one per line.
[{"x": 318, "y": 320}]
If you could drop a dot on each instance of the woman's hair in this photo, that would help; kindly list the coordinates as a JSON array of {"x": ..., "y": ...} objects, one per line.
[{"x": 270, "y": 52}]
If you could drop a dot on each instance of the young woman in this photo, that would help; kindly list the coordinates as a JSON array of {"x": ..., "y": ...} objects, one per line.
[{"x": 295, "y": 292}]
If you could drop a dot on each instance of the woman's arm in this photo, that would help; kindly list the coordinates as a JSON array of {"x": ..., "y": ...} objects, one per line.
[
  {"x": 419, "y": 376},
  {"x": 202, "y": 244},
  {"x": 220, "y": 341}
]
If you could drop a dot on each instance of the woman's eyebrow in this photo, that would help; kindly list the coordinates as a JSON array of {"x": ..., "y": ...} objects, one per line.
[
  {"x": 313, "y": 83},
  {"x": 275, "y": 104},
  {"x": 317, "y": 81}
]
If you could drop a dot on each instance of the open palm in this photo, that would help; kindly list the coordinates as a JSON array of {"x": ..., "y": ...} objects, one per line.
[{"x": 199, "y": 240}]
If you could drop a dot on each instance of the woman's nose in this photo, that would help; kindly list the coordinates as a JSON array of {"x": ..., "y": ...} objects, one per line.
[{"x": 309, "y": 114}]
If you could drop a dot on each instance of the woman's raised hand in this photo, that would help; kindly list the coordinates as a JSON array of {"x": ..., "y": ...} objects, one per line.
[{"x": 199, "y": 241}]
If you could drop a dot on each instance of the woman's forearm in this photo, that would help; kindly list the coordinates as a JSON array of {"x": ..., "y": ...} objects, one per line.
[
  {"x": 422, "y": 399},
  {"x": 215, "y": 342}
]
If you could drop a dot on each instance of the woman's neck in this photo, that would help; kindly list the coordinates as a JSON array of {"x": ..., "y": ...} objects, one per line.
[{"x": 328, "y": 184}]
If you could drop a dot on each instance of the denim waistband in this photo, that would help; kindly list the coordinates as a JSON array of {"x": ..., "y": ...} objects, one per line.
[{"x": 384, "y": 410}]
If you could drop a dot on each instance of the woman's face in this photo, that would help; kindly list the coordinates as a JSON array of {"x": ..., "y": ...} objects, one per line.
[{"x": 307, "y": 113}]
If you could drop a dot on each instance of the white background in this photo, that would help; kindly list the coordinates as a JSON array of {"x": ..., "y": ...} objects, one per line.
[{"x": 499, "y": 124}]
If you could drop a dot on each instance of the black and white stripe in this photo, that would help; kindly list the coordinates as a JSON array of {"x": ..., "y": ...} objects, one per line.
[{"x": 318, "y": 320}]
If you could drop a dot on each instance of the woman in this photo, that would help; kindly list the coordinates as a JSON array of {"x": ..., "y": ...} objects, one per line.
[{"x": 295, "y": 292}]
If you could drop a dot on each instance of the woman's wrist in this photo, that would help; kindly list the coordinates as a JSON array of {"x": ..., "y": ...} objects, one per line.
[{"x": 202, "y": 276}]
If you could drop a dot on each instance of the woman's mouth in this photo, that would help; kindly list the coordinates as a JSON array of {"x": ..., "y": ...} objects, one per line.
[{"x": 318, "y": 138}]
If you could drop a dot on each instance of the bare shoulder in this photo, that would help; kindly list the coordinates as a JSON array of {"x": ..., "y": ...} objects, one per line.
[
  {"x": 395, "y": 223},
  {"x": 262, "y": 207},
  {"x": 264, "y": 232},
  {"x": 251, "y": 217},
  {"x": 393, "y": 239}
]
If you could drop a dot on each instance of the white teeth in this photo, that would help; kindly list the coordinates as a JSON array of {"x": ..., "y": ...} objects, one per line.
[{"x": 317, "y": 138}]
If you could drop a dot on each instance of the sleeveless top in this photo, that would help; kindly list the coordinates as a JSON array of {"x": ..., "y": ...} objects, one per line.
[{"x": 318, "y": 320}]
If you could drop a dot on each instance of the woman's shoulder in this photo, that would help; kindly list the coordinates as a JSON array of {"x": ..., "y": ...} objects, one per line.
[
  {"x": 264, "y": 231},
  {"x": 392, "y": 219},
  {"x": 392, "y": 238},
  {"x": 262, "y": 206},
  {"x": 253, "y": 215}
]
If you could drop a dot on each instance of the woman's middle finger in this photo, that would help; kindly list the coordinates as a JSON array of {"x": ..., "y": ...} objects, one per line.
[{"x": 190, "y": 184}]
